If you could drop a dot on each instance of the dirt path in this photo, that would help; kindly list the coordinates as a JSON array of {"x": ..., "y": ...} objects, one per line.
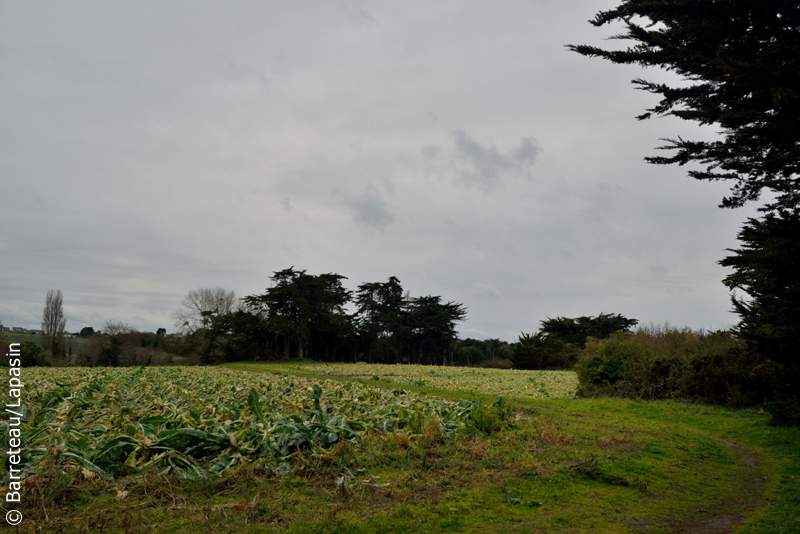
[{"x": 726, "y": 517}]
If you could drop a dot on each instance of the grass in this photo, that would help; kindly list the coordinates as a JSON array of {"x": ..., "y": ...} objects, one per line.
[{"x": 556, "y": 465}]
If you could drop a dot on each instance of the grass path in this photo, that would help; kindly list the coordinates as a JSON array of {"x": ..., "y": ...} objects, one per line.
[{"x": 727, "y": 516}]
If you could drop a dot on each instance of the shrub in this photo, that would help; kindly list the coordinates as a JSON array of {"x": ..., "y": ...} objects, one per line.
[
  {"x": 469, "y": 355},
  {"x": 111, "y": 355},
  {"x": 497, "y": 363},
  {"x": 31, "y": 355},
  {"x": 489, "y": 418},
  {"x": 665, "y": 362},
  {"x": 605, "y": 365}
]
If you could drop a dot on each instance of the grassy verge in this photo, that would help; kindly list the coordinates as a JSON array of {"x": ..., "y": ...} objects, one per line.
[{"x": 567, "y": 465}]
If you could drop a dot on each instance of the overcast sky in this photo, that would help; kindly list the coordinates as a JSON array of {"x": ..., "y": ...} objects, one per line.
[{"x": 149, "y": 148}]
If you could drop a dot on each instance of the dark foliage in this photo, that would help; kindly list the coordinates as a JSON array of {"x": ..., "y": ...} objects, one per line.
[
  {"x": 306, "y": 311},
  {"x": 381, "y": 321},
  {"x": 150, "y": 340},
  {"x": 767, "y": 268},
  {"x": 250, "y": 337},
  {"x": 741, "y": 59},
  {"x": 304, "y": 316},
  {"x": 483, "y": 352},
  {"x": 560, "y": 340},
  {"x": 111, "y": 352},
  {"x": 669, "y": 363},
  {"x": 579, "y": 329},
  {"x": 542, "y": 351},
  {"x": 87, "y": 331},
  {"x": 31, "y": 355},
  {"x": 433, "y": 329}
]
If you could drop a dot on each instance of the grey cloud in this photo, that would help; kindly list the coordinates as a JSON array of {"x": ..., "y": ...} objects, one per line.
[
  {"x": 354, "y": 9},
  {"x": 430, "y": 152},
  {"x": 371, "y": 210},
  {"x": 486, "y": 166},
  {"x": 526, "y": 153}
]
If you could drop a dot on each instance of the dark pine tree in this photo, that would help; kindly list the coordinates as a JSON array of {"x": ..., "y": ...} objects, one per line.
[
  {"x": 740, "y": 60},
  {"x": 767, "y": 268}
]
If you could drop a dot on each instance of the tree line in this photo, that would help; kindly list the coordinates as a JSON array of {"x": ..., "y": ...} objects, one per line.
[
  {"x": 306, "y": 316},
  {"x": 303, "y": 315}
]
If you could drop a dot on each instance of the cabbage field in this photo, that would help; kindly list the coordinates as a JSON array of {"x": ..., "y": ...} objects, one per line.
[
  {"x": 503, "y": 382},
  {"x": 195, "y": 422}
]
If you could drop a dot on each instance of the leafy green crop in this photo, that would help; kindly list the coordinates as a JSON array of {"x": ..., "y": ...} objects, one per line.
[
  {"x": 504, "y": 382},
  {"x": 198, "y": 422}
]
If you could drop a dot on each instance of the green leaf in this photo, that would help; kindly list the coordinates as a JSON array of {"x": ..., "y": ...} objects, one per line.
[
  {"x": 88, "y": 464},
  {"x": 255, "y": 405}
]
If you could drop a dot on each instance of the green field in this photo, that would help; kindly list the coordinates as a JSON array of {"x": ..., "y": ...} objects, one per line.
[
  {"x": 299, "y": 447},
  {"x": 502, "y": 382}
]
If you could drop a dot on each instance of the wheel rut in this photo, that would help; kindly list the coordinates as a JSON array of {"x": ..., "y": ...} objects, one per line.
[{"x": 728, "y": 516}]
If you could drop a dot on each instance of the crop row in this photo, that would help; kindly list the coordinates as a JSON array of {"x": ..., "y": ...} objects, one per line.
[
  {"x": 202, "y": 421},
  {"x": 503, "y": 382}
]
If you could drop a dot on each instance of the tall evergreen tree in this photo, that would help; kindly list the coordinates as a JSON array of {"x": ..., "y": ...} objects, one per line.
[
  {"x": 767, "y": 268},
  {"x": 382, "y": 320},
  {"x": 304, "y": 309},
  {"x": 433, "y": 328},
  {"x": 577, "y": 330},
  {"x": 740, "y": 60}
]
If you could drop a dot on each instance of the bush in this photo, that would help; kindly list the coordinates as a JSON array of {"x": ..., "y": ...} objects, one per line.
[
  {"x": 664, "y": 362},
  {"x": 605, "y": 364},
  {"x": 489, "y": 418},
  {"x": 784, "y": 408},
  {"x": 30, "y": 354},
  {"x": 469, "y": 356},
  {"x": 111, "y": 354},
  {"x": 149, "y": 340},
  {"x": 497, "y": 363}
]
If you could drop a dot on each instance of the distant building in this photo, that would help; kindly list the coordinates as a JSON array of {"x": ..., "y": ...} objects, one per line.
[{"x": 20, "y": 330}]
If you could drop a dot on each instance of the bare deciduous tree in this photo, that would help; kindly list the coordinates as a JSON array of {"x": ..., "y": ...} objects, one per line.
[
  {"x": 53, "y": 323},
  {"x": 115, "y": 328},
  {"x": 199, "y": 305}
]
